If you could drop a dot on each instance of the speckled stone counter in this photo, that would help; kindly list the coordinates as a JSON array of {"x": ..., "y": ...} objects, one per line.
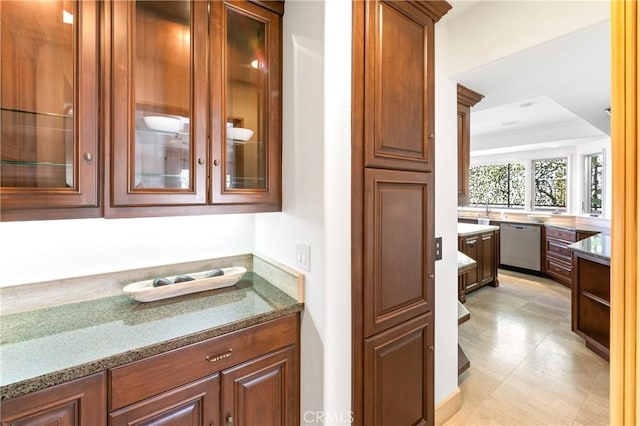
[
  {"x": 598, "y": 245},
  {"x": 49, "y": 346},
  {"x": 554, "y": 222},
  {"x": 465, "y": 263},
  {"x": 466, "y": 229}
]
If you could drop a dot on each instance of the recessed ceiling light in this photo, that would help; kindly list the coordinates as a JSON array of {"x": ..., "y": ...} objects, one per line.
[
  {"x": 508, "y": 123},
  {"x": 527, "y": 104}
]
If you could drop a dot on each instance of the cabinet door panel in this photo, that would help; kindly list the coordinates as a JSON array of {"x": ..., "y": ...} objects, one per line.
[
  {"x": 487, "y": 261},
  {"x": 76, "y": 403},
  {"x": 49, "y": 153},
  {"x": 195, "y": 404},
  {"x": 159, "y": 97},
  {"x": 471, "y": 247},
  {"x": 262, "y": 391},
  {"x": 463, "y": 154},
  {"x": 398, "y": 375},
  {"x": 246, "y": 104},
  {"x": 399, "y": 262},
  {"x": 398, "y": 87}
]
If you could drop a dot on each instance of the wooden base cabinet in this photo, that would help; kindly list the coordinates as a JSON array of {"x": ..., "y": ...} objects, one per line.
[
  {"x": 245, "y": 378},
  {"x": 399, "y": 375},
  {"x": 484, "y": 248},
  {"x": 557, "y": 255},
  {"x": 249, "y": 377},
  {"x": 262, "y": 391},
  {"x": 194, "y": 404},
  {"x": 76, "y": 403},
  {"x": 590, "y": 304}
]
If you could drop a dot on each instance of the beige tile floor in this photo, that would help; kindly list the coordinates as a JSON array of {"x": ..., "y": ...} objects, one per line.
[{"x": 527, "y": 367}]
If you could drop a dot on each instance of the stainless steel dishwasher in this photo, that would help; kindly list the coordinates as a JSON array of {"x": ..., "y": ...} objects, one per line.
[{"x": 520, "y": 246}]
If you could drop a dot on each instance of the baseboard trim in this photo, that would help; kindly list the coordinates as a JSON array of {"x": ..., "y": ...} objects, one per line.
[{"x": 448, "y": 407}]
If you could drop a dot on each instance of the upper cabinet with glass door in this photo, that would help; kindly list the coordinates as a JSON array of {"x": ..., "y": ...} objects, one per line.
[
  {"x": 49, "y": 156},
  {"x": 247, "y": 148},
  {"x": 159, "y": 97},
  {"x": 196, "y": 107}
]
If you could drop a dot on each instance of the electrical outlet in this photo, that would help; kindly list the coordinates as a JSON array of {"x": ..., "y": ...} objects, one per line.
[
  {"x": 438, "y": 248},
  {"x": 303, "y": 256}
]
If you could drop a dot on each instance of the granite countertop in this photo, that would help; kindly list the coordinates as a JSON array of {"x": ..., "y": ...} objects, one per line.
[
  {"x": 500, "y": 220},
  {"x": 552, "y": 222},
  {"x": 580, "y": 227},
  {"x": 49, "y": 346},
  {"x": 465, "y": 229},
  {"x": 598, "y": 245},
  {"x": 465, "y": 263}
]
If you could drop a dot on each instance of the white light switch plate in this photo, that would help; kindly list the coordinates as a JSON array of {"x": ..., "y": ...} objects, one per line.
[{"x": 303, "y": 253}]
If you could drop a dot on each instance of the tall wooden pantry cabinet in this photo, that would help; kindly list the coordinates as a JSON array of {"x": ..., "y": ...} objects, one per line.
[{"x": 393, "y": 211}]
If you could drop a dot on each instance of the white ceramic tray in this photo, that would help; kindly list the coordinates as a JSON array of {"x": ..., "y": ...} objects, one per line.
[{"x": 144, "y": 291}]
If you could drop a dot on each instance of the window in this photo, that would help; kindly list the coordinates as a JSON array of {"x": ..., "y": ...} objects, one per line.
[
  {"x": 592, "y": 197},
  {"x": 498, "y": 185},
  {"x": 550, "y": 184}
]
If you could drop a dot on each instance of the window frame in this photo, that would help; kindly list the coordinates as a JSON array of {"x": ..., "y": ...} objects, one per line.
[
  {"x": 521, "y": 207},
  {"x": 586, "y": 182},
  {"x": 532, "y": 186}
]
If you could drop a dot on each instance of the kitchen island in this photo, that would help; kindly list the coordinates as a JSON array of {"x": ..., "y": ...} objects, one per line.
[
  {"x": 590, "y": 292},
  {"x": 482, "y": 244}
]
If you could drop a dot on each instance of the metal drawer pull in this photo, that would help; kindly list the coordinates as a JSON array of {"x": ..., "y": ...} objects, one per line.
[{"x": 218, "y": 357}]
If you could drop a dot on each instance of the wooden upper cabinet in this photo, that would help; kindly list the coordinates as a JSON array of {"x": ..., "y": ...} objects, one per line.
[
  {"x": 466, "y": 99},
  {"x": 246, "y": 103},
  {"x": 159, "y": 95},
  {"x": 196, "y": 116},
  {"x": 399, "y": 86},
  {"x": 49, "y": 155},
  {"x": 399, "y": 263}
]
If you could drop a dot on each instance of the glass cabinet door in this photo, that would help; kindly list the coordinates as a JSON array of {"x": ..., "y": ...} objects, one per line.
[
  {"x": 48, "y": 104},
  {"x": 159, "y": 118},
  {"x": 248, "y": 156}
]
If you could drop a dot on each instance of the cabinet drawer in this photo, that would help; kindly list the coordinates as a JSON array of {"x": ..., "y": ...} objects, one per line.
[
  {"x": 559, "y": 269},
  {"x": 561, "y": 234},
  {"x": 151, "y": 376},
  {"x": 559, "y": 248}
]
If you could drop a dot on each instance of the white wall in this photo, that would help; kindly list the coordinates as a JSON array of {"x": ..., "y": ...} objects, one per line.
[
  {"x": 493, "y": 30},
  {"x": 446, "y": 201},
  {"x": 45, "y": 250},
  {"x": 316, "y": 195}
]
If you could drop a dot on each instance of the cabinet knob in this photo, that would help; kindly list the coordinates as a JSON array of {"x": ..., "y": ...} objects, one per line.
[
  {"x": 431, "y": 136},
  {"x": 229, "y": 420},
  {"x": 431, "y": 347},
  {"x": 201, "y": 161},
  {"x": 431, "y": 275},
  {"x": 88, "y": 156},
  {"x": 216, "y": 162}
]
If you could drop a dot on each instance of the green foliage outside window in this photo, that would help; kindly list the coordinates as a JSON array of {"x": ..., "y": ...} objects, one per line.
[
  {"x": 593, "y": 184},
  {"x": 498, "y": 185},
  {"x": 550, "y": 183}
]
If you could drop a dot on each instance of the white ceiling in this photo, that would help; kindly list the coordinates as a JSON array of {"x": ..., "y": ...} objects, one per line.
[{"x": 566, "y": 80}]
